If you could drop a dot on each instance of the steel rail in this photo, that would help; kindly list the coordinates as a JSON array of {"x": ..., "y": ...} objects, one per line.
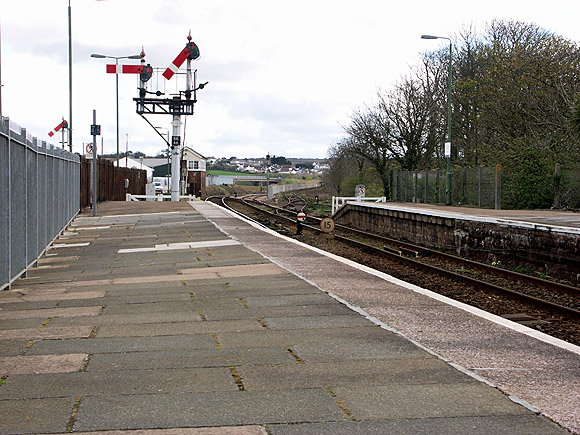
[{"x": 415, "y": 250}]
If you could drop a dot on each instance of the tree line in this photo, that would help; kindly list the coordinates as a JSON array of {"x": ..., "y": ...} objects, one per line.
[{"x": 515, "y": 102}]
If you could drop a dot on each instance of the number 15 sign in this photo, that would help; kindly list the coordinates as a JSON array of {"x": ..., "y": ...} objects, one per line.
[{"x": 327, "y": 225}]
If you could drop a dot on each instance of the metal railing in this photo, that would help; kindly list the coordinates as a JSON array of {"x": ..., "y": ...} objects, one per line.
[
  {"x": 339, "y": 201},
  {"x": 39, "y": 197},
  {"x": 157, "y": 197}
]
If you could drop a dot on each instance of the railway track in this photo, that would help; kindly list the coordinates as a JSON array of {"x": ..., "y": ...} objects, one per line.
[{"x": 540, "y": 303}]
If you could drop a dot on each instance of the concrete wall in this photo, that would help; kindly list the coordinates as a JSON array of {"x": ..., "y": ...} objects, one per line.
[
  {"x": 280, "y": 188},
  {"x": 502, "y": 241}
]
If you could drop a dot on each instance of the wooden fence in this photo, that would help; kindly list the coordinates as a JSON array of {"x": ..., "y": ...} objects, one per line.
[{"x": 111, "y": 181}]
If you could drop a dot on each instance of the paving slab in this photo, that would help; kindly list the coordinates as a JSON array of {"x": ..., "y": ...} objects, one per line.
[
  {"x": 389, "y": 349},
  {"x": 222, "y": 430},
  {"x": 189, "y": 359},
  {"x": 30, "y": 364},
  {"x": 128, "y": 299},
  {"x": 441, "y": 400},
  {"x": 46, "y": 333},
  {"x": 64, "y": 296},
  {"x": 282, "y": 300},
  {"x": 310, "y": 322},
  {"x": 241, "y": 270},
  {"x": 128, "y": 382},
  {"x": 12, "y": 347},
  {"x": 513, "y": 425},
  {"x": 259, "y": 290},
  {"x": 206, "y": 409},
  {"x": 15, "y": 304},
  {"x": 54, "y": 312},
  {"x": 128, "y": 319},
  {"x": 36, "y": 415},
  {"x": 152, "y": 307},
  {"x": 271, "y": 312},
  {"x": 202, "y": 327},
  {"x": 123, "y": 344},
  {"x": 413, "y": 371},
  {"x": 21, "y": 323},
  {"x": 336, "y": 336}
]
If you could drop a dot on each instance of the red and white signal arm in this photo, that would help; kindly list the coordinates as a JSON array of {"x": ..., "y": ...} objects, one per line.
[
  {"x": 191, "y": 51},
  {"x": 301, "y": 216},
  {"x": 63, "y": 125}
]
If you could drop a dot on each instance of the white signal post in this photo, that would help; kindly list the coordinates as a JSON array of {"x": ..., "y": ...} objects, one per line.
[
  {"x": 186, "y": 53},
  {"x": 175, "y": 160},
  {"x": 175, "y": 106}
]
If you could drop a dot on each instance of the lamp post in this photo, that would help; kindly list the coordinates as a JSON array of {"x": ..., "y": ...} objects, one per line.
[
  {"x": 70, "y": 116},
  {"x": 102, "y": 56},
  {"x": 448, "y": 144}
]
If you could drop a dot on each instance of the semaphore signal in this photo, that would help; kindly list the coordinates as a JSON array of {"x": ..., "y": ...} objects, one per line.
[
  {"x": 63, "y": 125},
  {"x": 191, "y": 52}
]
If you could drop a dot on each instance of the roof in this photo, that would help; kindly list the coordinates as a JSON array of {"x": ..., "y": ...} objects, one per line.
[
  {"x": 128, "y": 162},
  {"x": 154, "y": 162},
  {"x": 191, "y": 150}
]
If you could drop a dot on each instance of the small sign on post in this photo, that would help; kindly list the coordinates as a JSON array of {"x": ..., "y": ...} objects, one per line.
[
  {"x": 360, "y": 191},
  {"x": 327, "y": 225},
  {"x": 447, "y": 150},
  {"x": 300, "y": 218},
  {"x": 95, "y": 130},
  {"x": 89, "y": 150}
]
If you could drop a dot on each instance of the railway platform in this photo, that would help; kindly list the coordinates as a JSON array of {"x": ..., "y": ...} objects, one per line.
[
  {"x": 548, "y": 239},
  {"x": 181, "y": 318},
  {"x": 556, "y": 220}
]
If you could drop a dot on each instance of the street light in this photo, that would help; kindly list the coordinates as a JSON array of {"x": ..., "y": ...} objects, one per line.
[
  {"x": 102, "y": 56},
  {"x": 448, "y": 144}
]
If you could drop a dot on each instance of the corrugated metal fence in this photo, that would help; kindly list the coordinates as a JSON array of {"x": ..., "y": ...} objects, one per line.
[{"x": 39, "y": 197}]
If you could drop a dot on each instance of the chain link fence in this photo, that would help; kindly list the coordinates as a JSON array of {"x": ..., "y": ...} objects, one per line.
[
  {"x": 39, "y": 197},
  {"x": 490, "y": 188}
]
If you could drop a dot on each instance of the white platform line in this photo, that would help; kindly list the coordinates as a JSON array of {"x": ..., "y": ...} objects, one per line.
[
  {"x": 69, "y": 245},
  {"x": 181, "y": 246}
]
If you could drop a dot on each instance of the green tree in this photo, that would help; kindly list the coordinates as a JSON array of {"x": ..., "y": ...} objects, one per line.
[
  {"x": 575, "y": 118},
  {"x": 515, "y": 102}
]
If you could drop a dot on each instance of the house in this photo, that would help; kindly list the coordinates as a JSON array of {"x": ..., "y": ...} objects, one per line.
[{"x": 194, "y": 164}]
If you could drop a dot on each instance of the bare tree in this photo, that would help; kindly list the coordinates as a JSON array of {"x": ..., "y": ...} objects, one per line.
[{"x": 369, "y": 138}]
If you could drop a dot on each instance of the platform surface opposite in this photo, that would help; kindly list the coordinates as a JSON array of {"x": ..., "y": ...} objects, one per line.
[
  {"x": 565, "y": 221},
  {"x": 186, "y": 320}
]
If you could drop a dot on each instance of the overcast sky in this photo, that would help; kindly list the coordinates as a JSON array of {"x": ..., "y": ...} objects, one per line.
[{"x": 283, "y": 76}]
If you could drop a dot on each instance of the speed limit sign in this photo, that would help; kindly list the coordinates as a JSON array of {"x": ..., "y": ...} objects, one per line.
[{"x": 327, "y": 225}]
